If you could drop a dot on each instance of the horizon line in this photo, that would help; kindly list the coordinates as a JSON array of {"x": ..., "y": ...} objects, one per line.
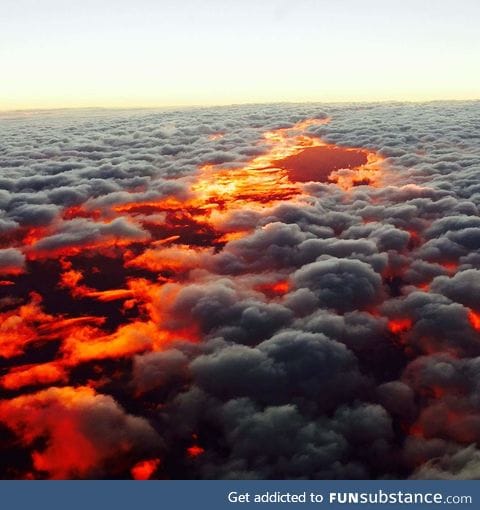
[{"x": 226, "y": 105}]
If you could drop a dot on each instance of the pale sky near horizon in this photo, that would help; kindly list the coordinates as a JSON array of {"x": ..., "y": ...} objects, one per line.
[{"x": 118, "y": 53}]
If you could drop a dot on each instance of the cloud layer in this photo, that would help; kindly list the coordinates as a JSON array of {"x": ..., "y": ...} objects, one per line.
[{"x": 174, "y": 304}]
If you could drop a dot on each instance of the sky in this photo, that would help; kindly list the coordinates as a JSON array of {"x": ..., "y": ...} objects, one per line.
[{"x": 118, "y": 53}]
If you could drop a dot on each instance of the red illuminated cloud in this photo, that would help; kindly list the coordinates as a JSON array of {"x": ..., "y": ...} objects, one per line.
[
  {"x": 144, "y": 469},
  {"x": 33, "y": 375},
  {"x": 19, "y": 327},
  {"x": 80, "y": 234},
  {"x": 82, "y": 431}
]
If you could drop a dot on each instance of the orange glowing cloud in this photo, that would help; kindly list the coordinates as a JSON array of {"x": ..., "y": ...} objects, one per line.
[
  {"x": 172, "y": 258},
  {"x": 84, "y": 341},
  {"x": 33, "y": 375},
  {"x": 70, "y": 279},
  {"x": 19, "y": 327},
  {"x": 79, "y": 235},
  {"x": 89, "y": 343}
]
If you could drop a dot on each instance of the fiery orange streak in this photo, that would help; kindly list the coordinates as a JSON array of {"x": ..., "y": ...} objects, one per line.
[
  {"x": 84, "y": 341},
  {"x": 107, "y": 246},
  {"x": 260, "y": 182},
  {"x": 110, "y": 295},
  {"x": 70, "y": 279},
  {"x": 10, "y": 271},
  {"x": 28, "y": 375},
  {"x": 89, "y": 343},
  {"x": 62, "y": 326},
  {"x": 172, "y": 258}
]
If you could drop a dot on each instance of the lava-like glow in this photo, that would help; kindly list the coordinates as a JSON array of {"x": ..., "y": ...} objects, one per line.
[
  {"x": 277, "y": 288},
  {"x": 19, "y": 327},
  {"x": 450, "y": 266},
  {"x": 54, "y": 413},
  {"x": 144, "y": 469},
  {"x": 265, "y": 181},
  {"x": 293, "y": 158},
  {"x": 194, "y": 451},
  {"x": 10, "y": 271},
  {"x": 108, "y": 282},
  {"x": 182, "y": 236},
  {"x": 171, "y": 258},
  {"x": 397, "y": 326},
  {"x": 474, "y": 318},
  {"x": 34, "y": 375}
]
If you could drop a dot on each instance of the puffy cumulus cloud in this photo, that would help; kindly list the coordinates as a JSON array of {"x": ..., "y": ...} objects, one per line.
[
  {"x": 450, "y": 390},
  {"x": 156, "y": 369},
  {"x": 342, "y": 285},
  {"x": 33, "y": 214},
  {"x": 463, "y": 287},
  {"x": 293, "y": 443},
  {"x": 291, "y": 365},
  {"x": 177, "y": 301},
  {"x": 11, "y": 260},
  {"x": 80, "y": 232},
  {"x": 433, "y": 323},
  {"x": 357, "y": 330},
  {"x": 219, "y": 308},
  {"x": 292, "y": 446},
  {"x": 463, "y": 464}
]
